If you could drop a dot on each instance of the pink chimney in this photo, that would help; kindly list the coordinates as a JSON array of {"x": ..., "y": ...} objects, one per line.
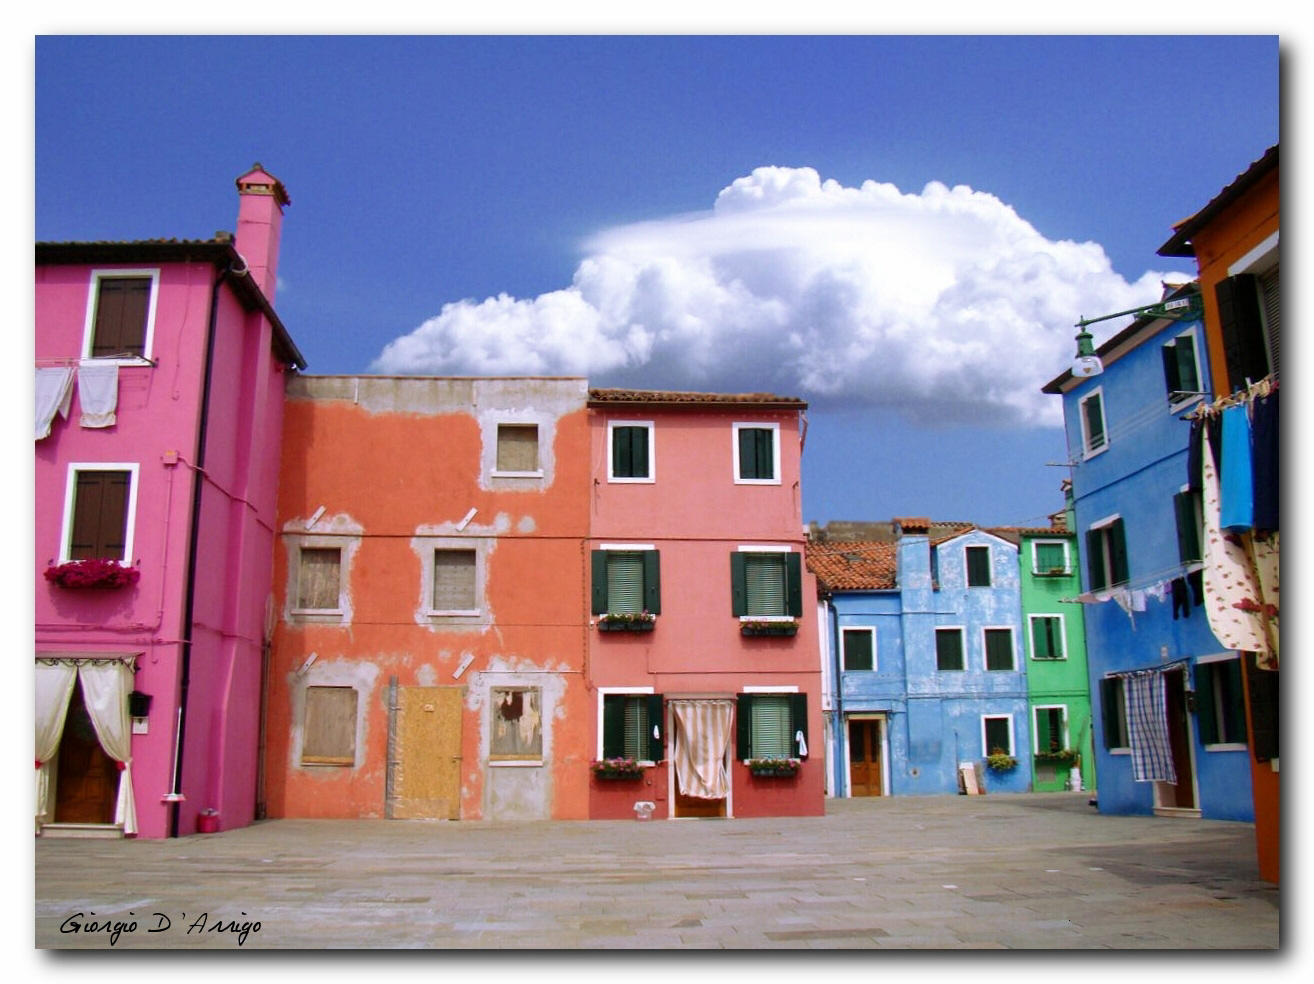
[{"x": 259, "y": 225}]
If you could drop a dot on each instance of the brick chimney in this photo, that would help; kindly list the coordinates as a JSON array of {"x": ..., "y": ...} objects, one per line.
[{"x": 260, "y": 224}]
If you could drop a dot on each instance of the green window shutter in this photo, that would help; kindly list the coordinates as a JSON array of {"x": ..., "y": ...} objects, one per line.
[
  {"x": 613, "y": 726},
  {"x": 765, "y": 453},
  {"x": 798, "y": 722},
  {"x": 1049, "y": 556},
  {"x": 639, "y": 452},
  {"x": 1188, "y": 530},
  {"x": 857, "y": 649},
  {"x": 652, "y": 582},
  {"x": 629, "y": 452},
  {"x": 1172, "y": 380},
  {"x": 738, "y": 584},
  {"x": 1093, "y": 412},
  {"x": 747, "y": 453},
  {"x": 625, "y": 581},
  {"x": 1095, "y": 560},
  {"x": 1262, "y": 687},
  {"x": 636, "y": 727},
  {"x": 1118, "y": 551},
  {"x": 1187, "y": 378},
  {"x": 948, "y": 649},
  {"x": 744, "y": 727},
  {"x": 1044, "y": 637},
  {"x": 1244, "y": 350},
  {"x": 756, "y": 453},
  {"x": 978, "y": 567},
  {"x": 599, "y": 582},
  {"x": 656, "y": 722},
  {"x": 1231, "y": 699},
  {"x": 772, "y": 733},
  {"x": 794, "y": 583},
  {"x": 1111, "y": 712},
  {"x": 1044, "y": 733},
  {"x": 999, "y": 649},
  {"x": 1206, "y": 711}
]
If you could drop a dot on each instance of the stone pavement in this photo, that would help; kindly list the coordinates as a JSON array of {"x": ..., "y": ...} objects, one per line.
[{"x": 1026, "y": 871}]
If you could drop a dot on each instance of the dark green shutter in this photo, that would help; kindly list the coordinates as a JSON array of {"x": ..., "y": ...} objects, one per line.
[
  {"x": 1206, "y": 714},
  {"x": 620, "y": 452},
  {"x": 599, "y": 582},
  {"x": 1095, "y": 559},
  {"x": 744, "y": 727},
  {"x": 794, "y": 583},
  {"x": 613, "y": 726},
  {"x": 652, "y": 582},
  {"x": 1110, "y": 698},
  {"x": 1244, "y": 349},
  {"x": 1093, "y": 412},
  {"x": 1188, "y": 380},
  {"x": 798, "y": 721},
  {"x": 1262, "y": 687},
  {"x": 738, "y": 584},
  {"x": 639, "y": 452},
  {"x": 1188, "y": 532},
  {"x": 656, "y": 724},
  {"x": 1172, "y": 381},
  {"x": 1118, "y": 551},
  {"x": 1044, "y": 733},
  {"x": 1234, "y": 707},
  {"x": 747, "y": 453}
]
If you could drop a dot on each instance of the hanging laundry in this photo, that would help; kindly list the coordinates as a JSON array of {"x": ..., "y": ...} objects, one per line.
[
  {"x": 1236, "y": 474},
  {"x": 1181, "y": 601},
  {"x": 98, "y": 392},
  {"x": 1194, "y": 450},
  {"x": 1264, "y": 440},
  {"x": 54, "y": 393},
  {"x": 1147, "y": 728},
  {"x": 1229, "y": 577}
]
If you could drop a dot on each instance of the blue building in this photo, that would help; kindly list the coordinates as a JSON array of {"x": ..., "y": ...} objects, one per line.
[
  {"x": 924, "y": 648},
  {"x": 1168, "y": 709}
]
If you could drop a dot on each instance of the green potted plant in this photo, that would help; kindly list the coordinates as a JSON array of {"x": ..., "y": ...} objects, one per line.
[
  {"x": 768, "y": 627},
  {"x": 627, "y": 622},
  {"x": 1000, "y": 761}
]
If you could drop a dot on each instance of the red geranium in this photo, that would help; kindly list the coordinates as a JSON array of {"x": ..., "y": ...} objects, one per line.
[{"x": 92, "y": 573}]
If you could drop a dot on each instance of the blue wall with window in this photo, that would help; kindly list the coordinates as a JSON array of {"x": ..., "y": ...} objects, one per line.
[{"x": 1141, "y": 586}]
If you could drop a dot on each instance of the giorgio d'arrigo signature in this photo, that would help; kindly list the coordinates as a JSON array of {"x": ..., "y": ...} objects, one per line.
[{"x": 89, "y": 924}]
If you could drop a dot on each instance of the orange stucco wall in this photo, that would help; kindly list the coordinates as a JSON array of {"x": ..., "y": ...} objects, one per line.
[{"x": 399, "y": 466}]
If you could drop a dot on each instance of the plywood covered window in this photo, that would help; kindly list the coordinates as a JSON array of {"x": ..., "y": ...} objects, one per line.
[
  {"x": 455, "y": 584},
  {"x": 319, "y": 579},
  {"x": 517, "y": 448},
  {"x": 329, "y": 731}
]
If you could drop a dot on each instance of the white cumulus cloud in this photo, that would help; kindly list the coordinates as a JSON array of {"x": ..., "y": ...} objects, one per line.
[{"x": 945, "y": 304}]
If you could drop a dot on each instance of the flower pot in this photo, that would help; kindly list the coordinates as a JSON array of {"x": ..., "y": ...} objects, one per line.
[
  {"x": 637, "y": 774},
  {"x": 783, "y": 629},
  {"x": 626, "y": 626},
  {"x": 775, "y": 773}
]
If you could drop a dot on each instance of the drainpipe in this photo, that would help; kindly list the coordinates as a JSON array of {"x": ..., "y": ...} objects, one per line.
[
  {"x": 189, "y": 608},
  {"x": 841, "y": 735}
]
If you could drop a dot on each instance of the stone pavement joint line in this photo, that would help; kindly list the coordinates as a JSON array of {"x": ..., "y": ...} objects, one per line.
[{"x": 1031, "y": 871}]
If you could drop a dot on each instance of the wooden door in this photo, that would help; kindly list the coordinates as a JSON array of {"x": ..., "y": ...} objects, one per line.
[
  {"x": 1181, "y": 794},
  {"x": 88, "y": 782},
  {"x": 427, "y": 776},
  {"x": 865, "y": 757}
]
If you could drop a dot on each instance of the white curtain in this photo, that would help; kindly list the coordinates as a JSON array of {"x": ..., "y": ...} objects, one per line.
[
  {"x": 54, "y": 687},
  {"x": 105, "y": 687},
  {"x": 702, "y": 734},
  {"x": 54, "y": 394}
]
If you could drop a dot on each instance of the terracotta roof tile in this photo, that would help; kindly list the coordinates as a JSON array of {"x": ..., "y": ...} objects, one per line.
[
  {"x": 855, "y": 565},
  {"x": 678, "y": 398}
]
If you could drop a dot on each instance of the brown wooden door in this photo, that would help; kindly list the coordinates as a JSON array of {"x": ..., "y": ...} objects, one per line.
[
  {"x": 88, "y": 783},
  {"x": 865, "y": 757},
  {"x": 1181, "y": 795},
  {"x": 427, "y": 777}
]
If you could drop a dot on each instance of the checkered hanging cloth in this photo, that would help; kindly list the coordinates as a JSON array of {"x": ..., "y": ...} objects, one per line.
[{"x": 1147, "y": 728}]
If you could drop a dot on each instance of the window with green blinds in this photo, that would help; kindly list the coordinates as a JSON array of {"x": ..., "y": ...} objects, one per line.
[
  {"x": 624, "y": 582},
  {"x": 765, "y": 583}
]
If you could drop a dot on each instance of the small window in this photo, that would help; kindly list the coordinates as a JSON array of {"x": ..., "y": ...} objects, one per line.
[
  {"x": 631, "y": 726},
  {"x": 1106, "y": 555},
  {"x": 1220, "y": 703},
  {"x": 948, "y": 649},
  {"x": 1050, "y": 557},
  {"x": 1093, "y": 435},
  {"x": 766, "y": 584},
  {"x": 1047, "y": 637},
  {"x": 120, "y": 316},
  {"x": 1051, "y": 729},
  {"x": 996, "y": 734},
  {"x": 771, "y": 726},
  {"x": 631, "y": 452},
  {"x": 1187, "y": 511},
  {"x": 329, "y": 733},
  {"x": 319, "y": 579},
  {"x": 100, "y": 512},
  {"x": 516, "y": 731},
  {"x": 757, "y": 454},
  {"x": 859, "y": 649},
  {"x": 517, "y": 449},
  {"x": 1181, "y": 372},
  {"x": 1113, "y": 708},
  {"x": 978, "y": 567},
  {"x": 455, "y": 586},
  {"x": 999, "y": 649},
  {"x": 627, "y": 582}
]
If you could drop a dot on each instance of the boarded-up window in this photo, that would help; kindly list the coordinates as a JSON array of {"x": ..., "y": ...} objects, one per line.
[
  {"x": 454, "y": 582},
  {"x": 319, "y": 579},
  {"x": 329, "y": 733},
  {"x": 122, "y": 306},
  {"x": 517, "y": 724},
  {"x": 100, "y": 515},
  {"x": 517, "y": 448}
]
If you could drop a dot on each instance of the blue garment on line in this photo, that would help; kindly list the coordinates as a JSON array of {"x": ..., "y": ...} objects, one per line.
[{"x": 1236, "y": 480}]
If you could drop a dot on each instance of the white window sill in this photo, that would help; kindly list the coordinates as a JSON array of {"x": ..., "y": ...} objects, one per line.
[
  {"x": 783, "y": 619},
  {"x": 508, "y": 474},
  {"x": 631, "y": 481},
  {"x": 326, "y": 612},
  {"x": 1229, "y": 746}
]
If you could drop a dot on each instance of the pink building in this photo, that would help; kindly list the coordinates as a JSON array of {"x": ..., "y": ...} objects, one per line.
[
  {"x": 702, "y": 651},
  {"x": 160, "y": 369}
]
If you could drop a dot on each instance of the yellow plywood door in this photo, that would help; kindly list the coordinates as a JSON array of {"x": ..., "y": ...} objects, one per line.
[{"x": 427, "y": 780}]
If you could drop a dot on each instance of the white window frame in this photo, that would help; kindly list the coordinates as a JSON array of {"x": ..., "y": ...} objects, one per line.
[
  {"x": 603, "y": 694},
  {"x": 870, "y": 630},
  {"x": 772, "y": 426},
  {"x": 985, "y": 653},
  {"x": 89, "y": 325},
  {"x": 1087, "y": 451},
  {"x": 650, "y": 426},
  {"x": 1067, "y": 556},
  {"x": 1063, "y": 637},
  {"x": 1012, "y": 736},
  {"x": 1182, "y": 402},
  {"x": 759, "y": 548},
  {"x": 1222, "y": 746},
  {"x": 1035, "y": 733},
  {"x": 70, "y": 497}
]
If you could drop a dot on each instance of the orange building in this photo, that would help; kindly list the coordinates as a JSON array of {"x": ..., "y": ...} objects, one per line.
[
  {"x": 427, "y": 658},
  {"x": 702, "y": 649},
  {"x": 1235, "y": 242}
]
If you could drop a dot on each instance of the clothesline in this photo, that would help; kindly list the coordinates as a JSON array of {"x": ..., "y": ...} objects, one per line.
[
  {"x": 57, "y": 363},
  {"x": 1265, "y": 386}
]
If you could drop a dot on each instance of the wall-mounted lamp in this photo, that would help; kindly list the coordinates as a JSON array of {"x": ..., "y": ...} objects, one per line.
[
  {"x": 1087, "y": 363},
  {"x": 1181, "y": 308}
]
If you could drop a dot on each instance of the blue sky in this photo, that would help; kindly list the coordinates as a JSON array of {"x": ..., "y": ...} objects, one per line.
[{"x": 902, "y": 230}]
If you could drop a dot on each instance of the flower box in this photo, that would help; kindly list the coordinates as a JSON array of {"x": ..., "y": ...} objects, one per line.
[
  {"x": 773, "y": 768},
  {"x": 627, "y": 622},
  {"x": 619, "y": 768},
  {"x": 753, "y": 628},
  {"x": 1000, "y": 761},
  {"x": 92, "y": 573}
]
